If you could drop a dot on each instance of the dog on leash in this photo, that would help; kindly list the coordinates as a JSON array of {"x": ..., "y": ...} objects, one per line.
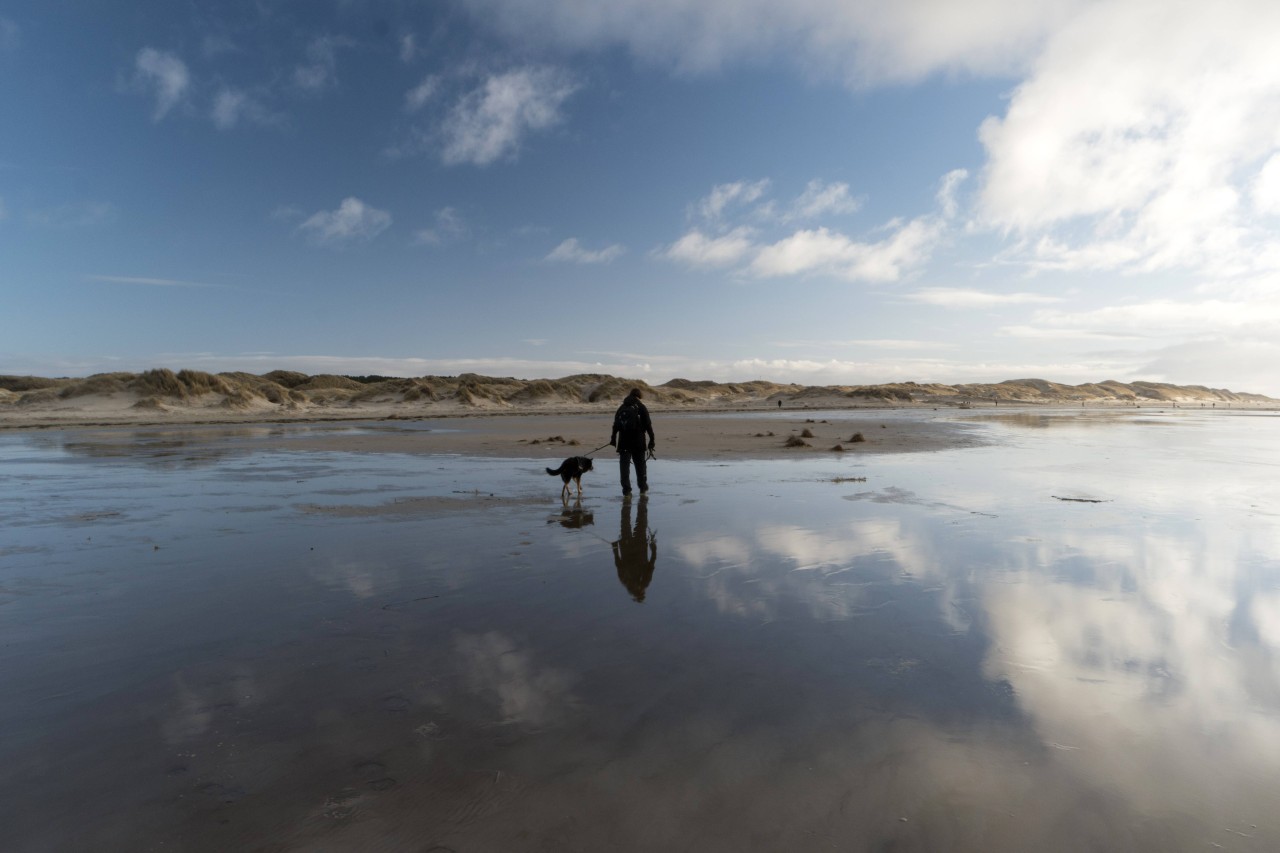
[{"x": 571, "y": 469}]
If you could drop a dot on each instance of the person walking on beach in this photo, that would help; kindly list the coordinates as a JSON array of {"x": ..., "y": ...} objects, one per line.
[{"x": 630, "y": 425}]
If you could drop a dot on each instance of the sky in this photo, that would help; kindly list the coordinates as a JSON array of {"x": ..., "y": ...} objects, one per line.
[{"x": 818, "y": 191}]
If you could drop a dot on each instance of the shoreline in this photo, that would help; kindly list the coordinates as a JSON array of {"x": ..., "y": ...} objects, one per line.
[
  {"x": 693, "y": 434},
  {"x": 555, "y": 436}
]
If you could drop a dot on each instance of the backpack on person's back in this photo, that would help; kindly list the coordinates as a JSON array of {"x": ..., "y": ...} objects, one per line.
[{"x": 627, "y": 421}]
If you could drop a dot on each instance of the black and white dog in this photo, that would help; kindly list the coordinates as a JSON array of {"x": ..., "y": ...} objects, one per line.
[{"x": 571, "y": 469}]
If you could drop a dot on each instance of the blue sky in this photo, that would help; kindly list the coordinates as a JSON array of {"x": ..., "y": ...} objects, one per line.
[{"x": 830, "y": 191}]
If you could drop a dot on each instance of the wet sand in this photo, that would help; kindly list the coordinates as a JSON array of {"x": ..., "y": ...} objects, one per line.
[
  {"x": 351, "y": 637},
  {"x": 679, "y": 436}
]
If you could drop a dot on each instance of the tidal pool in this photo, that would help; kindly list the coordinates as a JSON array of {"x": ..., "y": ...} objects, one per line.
[{"x": 1067, "y": 640}]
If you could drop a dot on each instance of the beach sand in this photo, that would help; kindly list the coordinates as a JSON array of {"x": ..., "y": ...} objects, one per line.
[
  {"x": 679, "y": 436},
  {"x": 393, "y": 634},
  {"x": 557, "y": 436}
]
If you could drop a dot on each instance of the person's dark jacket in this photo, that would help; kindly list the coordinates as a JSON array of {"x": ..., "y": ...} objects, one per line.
[{"x": 632, "y": 440}]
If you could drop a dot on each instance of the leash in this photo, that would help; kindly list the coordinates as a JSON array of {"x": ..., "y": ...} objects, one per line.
[{"x": 651, "y": 454}]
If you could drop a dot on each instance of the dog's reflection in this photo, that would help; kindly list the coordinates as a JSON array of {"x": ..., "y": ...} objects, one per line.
[
  {"x": 574, "y": 517},
  {"x": 635, "y": 554}
]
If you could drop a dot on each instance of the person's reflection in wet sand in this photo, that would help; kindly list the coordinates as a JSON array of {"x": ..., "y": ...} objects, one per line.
[{"x": 635, "y": 554}]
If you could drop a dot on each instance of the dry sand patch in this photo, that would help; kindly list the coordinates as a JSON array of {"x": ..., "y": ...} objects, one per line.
[{"x": 679, "y": 436}]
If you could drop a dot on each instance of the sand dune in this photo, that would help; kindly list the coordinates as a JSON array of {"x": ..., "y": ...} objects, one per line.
[{"x": 162, "y": 395}]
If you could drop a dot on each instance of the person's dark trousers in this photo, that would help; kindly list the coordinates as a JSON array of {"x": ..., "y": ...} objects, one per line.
[{"x": 625, "y": 458}]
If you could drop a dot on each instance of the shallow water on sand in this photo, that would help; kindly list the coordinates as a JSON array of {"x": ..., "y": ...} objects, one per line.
[{"x": 1068, "y": 640}]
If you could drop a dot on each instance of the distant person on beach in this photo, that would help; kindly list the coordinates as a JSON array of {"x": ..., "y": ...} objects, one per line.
[{"x": 630, "y": 426}]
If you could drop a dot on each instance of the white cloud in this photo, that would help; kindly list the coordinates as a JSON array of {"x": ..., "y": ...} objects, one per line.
[
  {"x": 699, "y": 250},
  {"x": 819, "y": 199},
  {"x": 1243, "y": 364},
  {"x": 1139, "y": 136},
  {"x": 725, "y": 196},
  {"x": 907, "y": 246},
  {"x": 353, "y": 221},
  {"x": 448, "y": 227},
  {"x": 948, "y": 189},
  {"x": 490, "y": 122},
  {"x": 10, "y": 35},
  {"x": 288, "y": 213},
  {"x": 805, "y": 251},
  {"x": 417, "y": 97},
  {"x": 1266, "y": 188},
  {"x": 1042, "y": 333},
  {"x": 216, "y": 45},
  {"x": 165, "y": 76},
  {"x": 862, "y": 41},
  {"x": 571, "y": 251},
  {"x": 1143, "y": 129},
  {"x": 148, "y": 282},
  {"x": 873, "y": 371},
  {"x": 904, "y": 345},
  {"x": 320, "y": 71},
  {"x": 952, "y": 297},
  {"x": 1223, "y": 335},
  {"x": 227, "y": 106},
  {"x": 81, "y": 214},
  {"x": 408, "y": 48},
  {"x": 820, "y": 250},
  {"x": 1051, "y": 254},
  {"x": 1166, "y": 317},
  {"x": 828, "y": 252},
  {"x": 881, "y": 343},
  {"x": 231, "y": 106}
]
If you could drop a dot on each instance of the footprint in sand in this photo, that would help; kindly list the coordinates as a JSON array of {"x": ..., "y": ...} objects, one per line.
[
  {"x": 395, "y": 704},
  {"x": 370, "y": 769},
  {"x": 342, "y": 804},
  {"x": 374, "y": 775},
  {"x": 223, "y": 793},
  {"x": 429, "y": 730}
]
